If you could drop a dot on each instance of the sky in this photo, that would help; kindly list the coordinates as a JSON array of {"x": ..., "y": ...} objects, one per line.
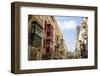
[{"x": 67, "y": 25}]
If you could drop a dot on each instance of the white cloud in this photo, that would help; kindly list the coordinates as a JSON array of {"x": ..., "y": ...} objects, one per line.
[{"x": 67, "y": 25}]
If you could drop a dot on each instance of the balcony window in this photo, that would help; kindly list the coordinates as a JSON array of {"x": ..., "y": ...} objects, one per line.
[
  {"x": 36, "y": 40},
  {"x": 50, "y": 34},
  {"x": 45, "y": 25},
  {"x": 33, "y": 28},
  {"x": 36, "y": 29},
  {"x": 48, "y": 43},
  {"x": 48, "y": 50},
  {"x": 44, "y": 42},
  {"x": 36, "y": 35}
]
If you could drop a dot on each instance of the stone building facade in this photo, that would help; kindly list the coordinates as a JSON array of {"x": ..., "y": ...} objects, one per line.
[
  {"x": 45, "y": 40},
  {"x": 82, "y": 44}
]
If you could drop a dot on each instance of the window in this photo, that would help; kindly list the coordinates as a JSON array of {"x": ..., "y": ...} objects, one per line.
[
  {"x": 36, "y": 40},
  {"x": 45, "y": 25},
  {"x": 33, "y": 27},
  {"x": 44, "y": 43},
  {"x": 48, "y": 42},
  {"x": 36, "y": 36},
  {"x": 38, "y": 31},
  {"x": 48, "y": 50},
  {"x": 50, "y": 31}
]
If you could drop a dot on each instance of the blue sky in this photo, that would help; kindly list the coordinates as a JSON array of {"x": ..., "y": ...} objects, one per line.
[{"x": 67, "y": 25}]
